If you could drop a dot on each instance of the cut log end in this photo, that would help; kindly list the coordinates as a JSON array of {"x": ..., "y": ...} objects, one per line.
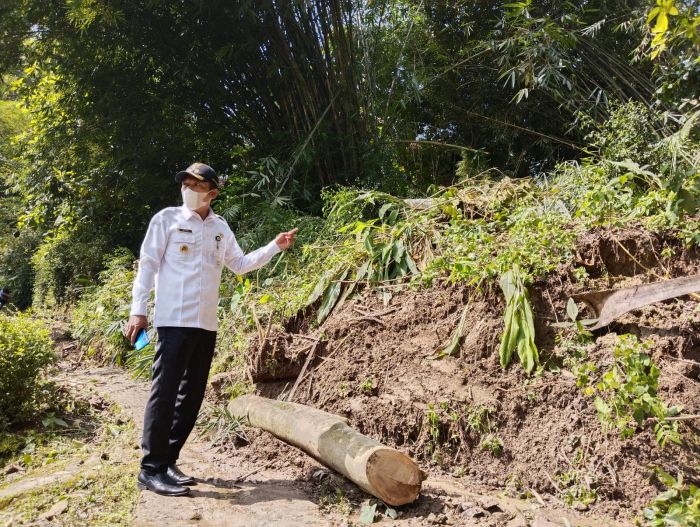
[{"x": 394, "y": 476}]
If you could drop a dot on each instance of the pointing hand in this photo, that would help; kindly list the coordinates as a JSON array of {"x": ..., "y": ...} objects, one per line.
[{"x": 285, "y": 240}]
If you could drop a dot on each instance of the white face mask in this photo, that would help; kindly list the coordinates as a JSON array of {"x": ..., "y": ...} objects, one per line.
[{"x": 194, "y": 200}]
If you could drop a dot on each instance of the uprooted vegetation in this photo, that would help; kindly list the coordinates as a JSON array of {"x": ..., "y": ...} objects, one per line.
[{"x": 406, "y": 316}]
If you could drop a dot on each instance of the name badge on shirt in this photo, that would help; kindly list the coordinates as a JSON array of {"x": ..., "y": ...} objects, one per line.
[{"x": 180, "y": 229}]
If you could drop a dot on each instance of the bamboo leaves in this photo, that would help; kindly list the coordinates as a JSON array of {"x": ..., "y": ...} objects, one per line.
[
  {"x": 387, "y": 244},
  {"x": 660, "y": 13},
  {"x": 519, "y": 332},
  {"x": 330, "y": 297}
]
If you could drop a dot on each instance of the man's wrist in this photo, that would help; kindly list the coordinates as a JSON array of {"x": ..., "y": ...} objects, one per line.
[{"x": 272, "y": 248}]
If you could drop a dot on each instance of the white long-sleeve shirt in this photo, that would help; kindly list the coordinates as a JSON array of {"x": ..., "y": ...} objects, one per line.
[{"x": 183, "y": 256}]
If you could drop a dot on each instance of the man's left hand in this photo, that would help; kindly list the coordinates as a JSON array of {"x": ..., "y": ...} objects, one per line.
[{"x": 285, "y": 240}]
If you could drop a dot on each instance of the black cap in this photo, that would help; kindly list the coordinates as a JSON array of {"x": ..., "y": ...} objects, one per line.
[{"x": 201, "y": 172}]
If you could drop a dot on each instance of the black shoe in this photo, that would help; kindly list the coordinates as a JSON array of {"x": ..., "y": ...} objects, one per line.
[
  {"x": 160, "y": 483},
  {"x": 178, "y": 477}
]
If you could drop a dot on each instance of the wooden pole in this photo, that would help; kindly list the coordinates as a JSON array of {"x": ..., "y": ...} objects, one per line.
[
  {"x": 384, "y": 472},
  {"x": 613, "y": 303}
]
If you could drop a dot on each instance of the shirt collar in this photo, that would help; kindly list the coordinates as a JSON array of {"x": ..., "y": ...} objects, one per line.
[{"x": 188, "y": 213}]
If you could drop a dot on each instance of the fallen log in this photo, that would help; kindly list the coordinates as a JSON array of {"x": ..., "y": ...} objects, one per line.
[{"x": 384, "y": 472}]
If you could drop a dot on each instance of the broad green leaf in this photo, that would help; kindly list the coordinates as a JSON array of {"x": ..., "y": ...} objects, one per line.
[
  {"x": 661, "y": 23},
  {"x": 319, "y": 289},
  {"x": 652, "y": 14},
  {"x": 398, "y": 251},
  {"x": 664, "y": 477},
  {"x": 411, "y": 264},
  {"x": 330, "y": 298},
  {"x": 602, "y": 407},
  {"x": 264, "y": 299},
  {"x": 507, "y": 284},
  {"x": 384, "y": 208}
]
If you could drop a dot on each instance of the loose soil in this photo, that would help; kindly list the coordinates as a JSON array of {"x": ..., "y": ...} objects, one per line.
[{"x": 379, "y": 366}]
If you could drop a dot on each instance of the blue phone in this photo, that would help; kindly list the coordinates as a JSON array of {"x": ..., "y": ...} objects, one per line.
[{"x": 142, "y": 340}]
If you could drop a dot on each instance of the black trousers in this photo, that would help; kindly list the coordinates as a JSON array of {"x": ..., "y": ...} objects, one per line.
[{"x": 180, "y": 371}]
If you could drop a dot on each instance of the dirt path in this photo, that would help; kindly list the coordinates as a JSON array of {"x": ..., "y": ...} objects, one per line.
[
  {"x": 276, "y": 497},
  {"x": 269, "y": 498}
]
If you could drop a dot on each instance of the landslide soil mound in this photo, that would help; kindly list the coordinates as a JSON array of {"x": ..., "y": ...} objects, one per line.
[{"x": 463, "y": 415}]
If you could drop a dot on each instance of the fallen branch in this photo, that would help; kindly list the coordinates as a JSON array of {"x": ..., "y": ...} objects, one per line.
[
  {"x": 677, "y": 418},
  {"x": 368, "y": 318},
  {"x": 366, "y": 313},
  {"x": 255, "y": 471},
  {"x": 301, "y": 336},
  {"x": 309, "y": 358}
]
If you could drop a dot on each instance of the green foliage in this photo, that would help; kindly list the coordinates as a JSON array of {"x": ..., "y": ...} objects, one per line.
[
  {"x": 25, "y": 351},
  {"x": 495, "y": 224},
  {"x": 576, "y": 488},
  {"x": 493, "y": 444},
  {"x": 622, "y": 135},
  {"x": 387, "y": 259},
  {"x": 480, "y": 419},
  {"x": 367, "y": 386},
  {"x": 16, "y": 249},
  {"x": 13, "y": 118},
  {"x": 347, "y": 252},
  {"x": 387, "y": 96},
  {"x": 665, "y": 33},
  {"x": 478, "y": 230},
  {"x": 141, "y": 361},
  {"x": 628, "y": 393},
  {"x": 433, "y": 423},
  {"x": 245, "y": 200},
  {"x": 570, "y": 53},
  {"x": 220, "y": 426},
  {"x": 65, "y": 263},
  {"x": 640, "y": 174},
  {"x": 100, "y": 314},
  {"x": 678, "y": 506},
  {"x": 44, "y": 451},
  {"x": 519, "y": 332}
]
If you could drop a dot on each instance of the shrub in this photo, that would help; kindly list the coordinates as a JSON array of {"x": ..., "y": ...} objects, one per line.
[
  {"x": 25, "y": 350},
  {"x": 64, "y": 262},
  {"x": 628, "y": 393},
  {"x": 15, "y": 266},
  {"x": 627, "y": 134},
  {"x": 16, "y": 248},
  {"x": 101, "y": 312},
  {"x": 678, "y": 505}
]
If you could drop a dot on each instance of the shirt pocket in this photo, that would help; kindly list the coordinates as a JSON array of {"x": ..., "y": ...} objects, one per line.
[
  {"x": 214, "y": 249},
  {"x": 181, "y": 246}
]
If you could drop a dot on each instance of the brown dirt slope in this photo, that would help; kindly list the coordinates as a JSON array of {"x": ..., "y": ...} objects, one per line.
[{"x": 377, "y": 365}]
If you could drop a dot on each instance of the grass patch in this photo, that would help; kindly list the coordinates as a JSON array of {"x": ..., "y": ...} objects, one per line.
[{"x": 83, "y": 464}]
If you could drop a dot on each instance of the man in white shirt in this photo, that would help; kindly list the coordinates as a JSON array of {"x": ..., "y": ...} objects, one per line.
[{"x": 183, "y": 254}]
